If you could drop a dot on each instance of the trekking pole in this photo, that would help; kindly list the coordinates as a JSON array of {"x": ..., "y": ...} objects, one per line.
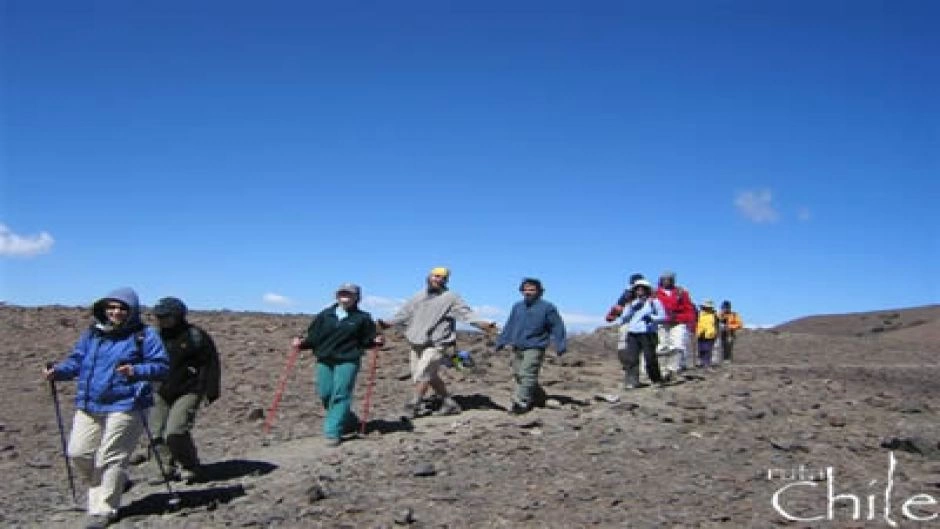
[
  {"x": 174, "y": 500},
  {"x": 58, "y": 418},
  {"x": 272, "y": 411},
  {"x": 367, "y": 403}
]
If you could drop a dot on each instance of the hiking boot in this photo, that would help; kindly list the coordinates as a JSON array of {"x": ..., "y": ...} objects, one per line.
[
  {"x": 628, "y": 386},
  {"x": 191, "y": 475},
  {"x": 412, "y": 408},
  {"x": 351, "y": 425},
  {"x": 519, "y": 409},
  {"x": 98, "y": 521},
  {"x": 448, "y": 407},
  {"x": 331, "y": 442},
  {"x": 172, "y": 474}
]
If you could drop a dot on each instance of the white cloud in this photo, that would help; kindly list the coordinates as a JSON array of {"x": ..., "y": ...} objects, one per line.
[
  {"x": 23, "y": 246},
  {"x": 759, "y": 326},
  {"x": 757, "y": 206},
  {"x": 488, "y": 311},
  {"x": 804, "y": 214},
  {"x": 574, "y": 320},
  {"x": 381, "y": 304},
  {"x": 276, "y": 299}
]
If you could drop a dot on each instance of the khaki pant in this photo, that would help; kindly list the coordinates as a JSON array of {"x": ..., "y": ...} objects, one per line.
[
  {"x": 99, "y": 447},
  {"x": 673, "y": 347},
  {"x": 425, "y": 362}
]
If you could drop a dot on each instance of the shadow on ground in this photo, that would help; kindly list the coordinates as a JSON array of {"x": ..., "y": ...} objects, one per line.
[
  {"x": 383, "y": 426},
  {"x": 477, "y": 401},
  {"x": 234, "y": 468},
  {"x": 160, "y": 503}
]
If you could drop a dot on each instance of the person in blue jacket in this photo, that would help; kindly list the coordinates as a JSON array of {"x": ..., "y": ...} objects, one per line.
[
  {"x": 114, "y": 362},
  {"x": 531, "y": 324},
  {"x": 641, "y": 317}
]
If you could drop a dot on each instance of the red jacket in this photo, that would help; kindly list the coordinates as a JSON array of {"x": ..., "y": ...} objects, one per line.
[{"x": 678, "y": 304}]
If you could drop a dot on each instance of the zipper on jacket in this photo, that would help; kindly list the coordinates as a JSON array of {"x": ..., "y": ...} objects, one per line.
[{"x": 91, "y": 375}]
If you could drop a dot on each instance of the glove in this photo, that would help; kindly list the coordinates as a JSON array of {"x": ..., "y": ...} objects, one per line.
[
  {"x": 648, "y": 319},
  {"x": 614, "y": 313},
  {"x": 378, "y": 341}
]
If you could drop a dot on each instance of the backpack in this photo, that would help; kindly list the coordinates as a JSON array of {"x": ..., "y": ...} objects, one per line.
[{"x": 708, "y": 326}]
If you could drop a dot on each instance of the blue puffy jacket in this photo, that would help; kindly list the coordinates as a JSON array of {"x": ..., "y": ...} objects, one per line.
[{"x": 101, "y": 349}]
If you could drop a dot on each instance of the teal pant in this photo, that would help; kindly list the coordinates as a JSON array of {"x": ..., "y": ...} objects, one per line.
[{"x": 336, "y": 381}]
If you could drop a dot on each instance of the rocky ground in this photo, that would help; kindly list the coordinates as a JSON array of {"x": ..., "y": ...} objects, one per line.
[{"x": 710, "y": 451}]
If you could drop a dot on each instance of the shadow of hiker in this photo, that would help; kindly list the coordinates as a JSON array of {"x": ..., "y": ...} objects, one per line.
[
  {"x": 477, "y": 401},
  {"x": 383, "y": 426},
  {"x": 159, "y": 503},
  {"x": 233, "y": 468},
  {"x": 565, "y": 400}
]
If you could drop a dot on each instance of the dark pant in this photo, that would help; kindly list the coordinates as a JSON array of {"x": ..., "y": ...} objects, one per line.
[
  {"x": 727, "y": 346},
  {"x": 638, "y": 343},
  {"x": 705, "y": 347},
  {"x": 172, "y": 424}
]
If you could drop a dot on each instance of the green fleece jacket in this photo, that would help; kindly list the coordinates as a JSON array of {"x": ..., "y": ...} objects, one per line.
[{"x": 340, "y": 340}]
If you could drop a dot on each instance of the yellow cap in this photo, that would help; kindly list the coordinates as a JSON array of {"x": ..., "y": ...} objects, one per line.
[{"x": 440, "y": 271}]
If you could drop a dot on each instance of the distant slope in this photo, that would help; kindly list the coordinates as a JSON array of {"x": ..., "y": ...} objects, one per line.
[{"x": 916, "y": 324}]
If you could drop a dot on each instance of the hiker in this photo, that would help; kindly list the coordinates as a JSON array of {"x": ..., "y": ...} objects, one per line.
[
  {"x": 706, "y": 332},
  {"x": 680, "y": 321},
  {"x": 194, "y": 378},
  {"x": 114, "y": 361},
  {"x": 430, "y": 319},
  {"x": 532, "y": 322},
  {"x": 339, "y": 336},
  {"x": 730, "y": 323},
  {"x": 616, "y": 310},
  {"x": 643, "y": 314}
]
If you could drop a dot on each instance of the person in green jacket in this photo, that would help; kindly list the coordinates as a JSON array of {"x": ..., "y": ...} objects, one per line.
[{"x": 339, "y": 336}]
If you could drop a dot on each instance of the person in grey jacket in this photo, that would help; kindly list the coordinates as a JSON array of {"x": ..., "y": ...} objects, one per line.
[
  {"x": 532, "y": 323},
  {"x": 430, "y": 319},
  {"x": 641, "y": 318}
]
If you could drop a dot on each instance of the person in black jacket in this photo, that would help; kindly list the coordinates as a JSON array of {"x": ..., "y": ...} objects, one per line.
[
  {"x": 339, "y": 336},
  {"x": 195, "y": 376}
]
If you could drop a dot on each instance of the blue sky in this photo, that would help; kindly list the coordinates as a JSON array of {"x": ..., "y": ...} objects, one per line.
[{"x": 253, "y": 155}]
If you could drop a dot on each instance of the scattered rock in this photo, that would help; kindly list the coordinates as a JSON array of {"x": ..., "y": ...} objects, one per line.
[
  {"x": 315, "y": 493},
  {"x": 256, "y": 414},
  {"x": 914, "y": 445},
  {"x": 404, "y": 516},
  {"x": 423, "y": 470},
  {"x": 912, "y": 406},
  {"x": 788, "y": 445},
  {"x": 39, "y": 462}
]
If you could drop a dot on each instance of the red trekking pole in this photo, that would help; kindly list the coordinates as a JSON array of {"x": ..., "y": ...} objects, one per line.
[
  {"x": 272, "y": 411},
  {"x": 367, "y": 403}
]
